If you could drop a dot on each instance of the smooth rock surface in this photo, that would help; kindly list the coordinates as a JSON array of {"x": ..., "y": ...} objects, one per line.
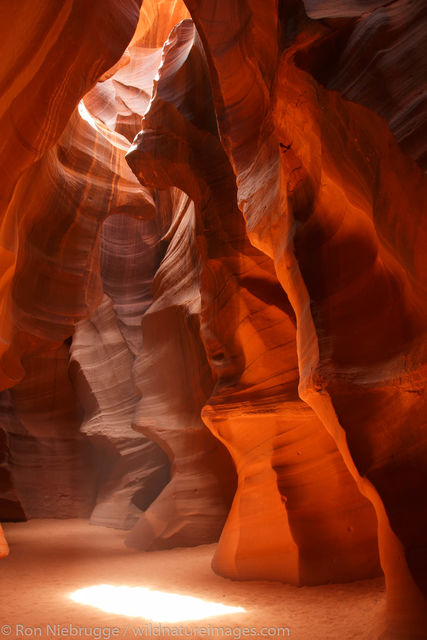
[
  {"x": 281, "y": 450},
  {"x": 328, "y": 195}
]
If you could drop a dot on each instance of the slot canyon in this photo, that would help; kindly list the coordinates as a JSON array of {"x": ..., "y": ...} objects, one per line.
[{"x": 213, "y": 314}]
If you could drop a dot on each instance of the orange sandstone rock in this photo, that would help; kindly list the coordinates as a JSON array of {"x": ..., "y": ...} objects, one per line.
[
  {"x": 49, "y": 234},
  {"x": 295, "y": 331},
  {"x": 168, "y": 414},
  {"x": 328, "y": 195},
  {"x": 288, "y": 466},
  {"x": 4, "y": 547},
  {"x": 174, "y": 379}
]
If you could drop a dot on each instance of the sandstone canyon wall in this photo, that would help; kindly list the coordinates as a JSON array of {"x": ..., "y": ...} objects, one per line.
[
  {"x": 213, "y": 262},
  {"x": 71, "y": 415}
]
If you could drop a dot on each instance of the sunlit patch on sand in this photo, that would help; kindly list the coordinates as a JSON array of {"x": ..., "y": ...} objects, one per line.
[{"x": 157, "y": 606}]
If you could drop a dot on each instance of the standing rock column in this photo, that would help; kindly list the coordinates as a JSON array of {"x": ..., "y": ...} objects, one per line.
[
  {"x": 174, "y": 379},
  {"x": 329, "y": 196},
  {"x": 292, "y": 479}
]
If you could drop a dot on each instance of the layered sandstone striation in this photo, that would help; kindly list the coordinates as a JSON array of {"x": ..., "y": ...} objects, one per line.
[
  {"x": 88, "y": 273},
  {"x": 329, "y": 196},
  {"x": 248, "y": 330},
  {"x": 45, "y": 72},
  {"x": 174, "y": 380},
  {"x": 50, "y": 223},
  {"x": 55, "y": 284},
  {"x": 219, "y": 255},
  {"x": 373, "y": 54},
  {"x": 154, "y": 318},
  {"x": 130, "y": 467}
]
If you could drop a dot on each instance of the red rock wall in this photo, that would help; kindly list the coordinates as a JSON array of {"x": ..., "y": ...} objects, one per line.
[
  {"x": 74, "y": 423},
  {"x": 52, "y": 54},
  {"x": 328, "y": 194},
  {"x": 248, "y": 329},
  {"x": 173, "y": 376},
  {"x": 155, "y": 322},
  {"x": 265, "y": 278},
  {"x": 376, "y": 59},
  {"x": 45, "y": 71}
]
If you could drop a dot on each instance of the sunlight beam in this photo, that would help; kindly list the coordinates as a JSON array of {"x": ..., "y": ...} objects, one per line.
[{"x": 142, "y": 602}]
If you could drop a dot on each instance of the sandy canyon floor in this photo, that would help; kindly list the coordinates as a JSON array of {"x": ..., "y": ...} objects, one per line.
[{"x": 175, "y": 591}]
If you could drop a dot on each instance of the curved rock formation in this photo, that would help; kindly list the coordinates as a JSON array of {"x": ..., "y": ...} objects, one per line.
[
  {"x": 45, "y": 71},
  {"x": 65, "y": 266},
  {"x": 295, "y": 332},
  {"x": 130, "y": 466},
  {"x": 376, "y": 59},
  {"x": 37, "y": 102},
  {"x": 49, "y": 460},
  {"x": 180, "y": 515},
  {"x": 136, "y": 469},
  {"x": 327, "y": 193},
  {"x": 174, "y": 380},
  {"x": 38, "y": 98},
  {"x": 56, "y": 282},
  {"x": 248, "y": 328}
]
